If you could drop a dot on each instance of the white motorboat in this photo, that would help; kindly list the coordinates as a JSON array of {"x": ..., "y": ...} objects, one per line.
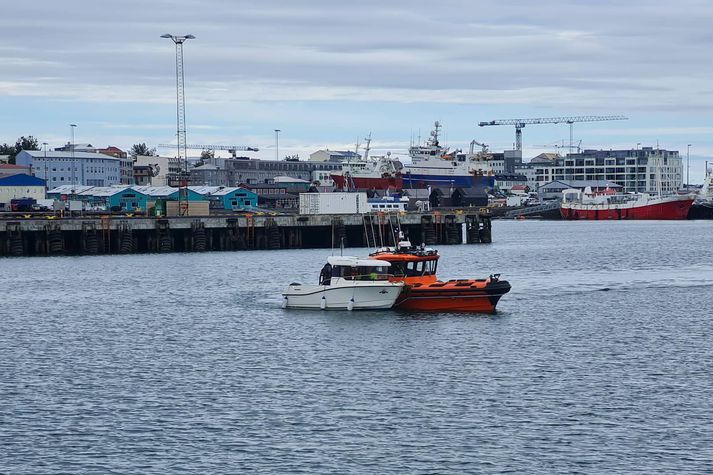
[{"x": 346, "y": 283}]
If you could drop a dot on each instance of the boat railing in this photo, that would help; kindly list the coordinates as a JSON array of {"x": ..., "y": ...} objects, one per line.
[{"x": 365, "y": 277}]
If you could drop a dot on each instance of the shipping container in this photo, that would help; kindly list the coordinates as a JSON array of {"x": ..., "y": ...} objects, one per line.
[
  {"x": 333, "y": 203},
  {"x": 195, "y": 208}
]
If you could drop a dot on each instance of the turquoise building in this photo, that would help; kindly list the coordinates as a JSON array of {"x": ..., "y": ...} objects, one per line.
[
  {"x": 115, "y": 198},
  {"x": 235, "y": 198},
  {"x": 167, "y": 193}
]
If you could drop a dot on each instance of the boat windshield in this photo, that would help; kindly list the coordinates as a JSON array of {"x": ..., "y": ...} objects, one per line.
[
  {"x": 414, "y": 269},
  {"x": 361, "y": 272}
]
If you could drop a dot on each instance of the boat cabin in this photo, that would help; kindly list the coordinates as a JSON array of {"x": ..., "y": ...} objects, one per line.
[
  {"x": 352, "y": 268},
  {"x": 410, "y": 264}
]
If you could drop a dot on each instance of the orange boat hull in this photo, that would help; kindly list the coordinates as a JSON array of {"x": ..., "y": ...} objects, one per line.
[{"x": 453, "y": 296}]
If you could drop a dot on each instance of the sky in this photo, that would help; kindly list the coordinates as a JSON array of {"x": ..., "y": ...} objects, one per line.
[{"x": 327, "y": 73}]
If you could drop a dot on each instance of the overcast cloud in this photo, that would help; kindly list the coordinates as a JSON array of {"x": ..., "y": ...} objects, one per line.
[{"x": 326, "y": 72}]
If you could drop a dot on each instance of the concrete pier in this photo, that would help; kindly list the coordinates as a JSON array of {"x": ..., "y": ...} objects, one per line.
[{"x": 88, "y": 235}]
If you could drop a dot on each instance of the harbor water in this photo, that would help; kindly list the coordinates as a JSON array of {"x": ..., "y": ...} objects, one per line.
[{"x": 600, "y": 360}]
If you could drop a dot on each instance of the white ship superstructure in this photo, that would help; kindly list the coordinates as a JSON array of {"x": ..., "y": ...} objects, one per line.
[{"x": 434, "y": 164}]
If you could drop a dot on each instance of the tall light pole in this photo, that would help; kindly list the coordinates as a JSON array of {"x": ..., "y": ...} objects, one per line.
[
  {"x": 688, "y": 166},
  {"x": 277, "y": 144},
  {"x": 181, "y": 119},
  {"x": 71, "y": 129},
  {"x": 180, "y": 95},
  {"x": 44, "y": 146}
]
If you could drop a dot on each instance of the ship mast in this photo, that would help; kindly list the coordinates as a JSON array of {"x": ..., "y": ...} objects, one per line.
[
  {"x": 366, "y": 147},
  {"x": 659, "y": 186}
]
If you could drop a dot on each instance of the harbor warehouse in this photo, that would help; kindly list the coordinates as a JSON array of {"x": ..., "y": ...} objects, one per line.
[{"x": 21, "y": 186}]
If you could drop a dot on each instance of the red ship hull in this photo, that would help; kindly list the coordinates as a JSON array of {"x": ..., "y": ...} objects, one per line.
[
  {"x": 667, "y": 210},
  {"x": 368, "y": 183}
]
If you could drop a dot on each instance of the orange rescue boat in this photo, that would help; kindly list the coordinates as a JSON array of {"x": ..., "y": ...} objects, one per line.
[{"x": 416, "y": 267}]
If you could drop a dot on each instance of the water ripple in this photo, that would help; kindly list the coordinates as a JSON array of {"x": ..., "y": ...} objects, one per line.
[{"x": 599, "y": 361}]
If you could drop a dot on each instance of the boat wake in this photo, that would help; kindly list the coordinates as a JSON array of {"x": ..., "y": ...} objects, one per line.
[{"x": 614, "y": 281}]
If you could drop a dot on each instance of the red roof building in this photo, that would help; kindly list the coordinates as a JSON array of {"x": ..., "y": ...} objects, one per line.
[{"x": 7, "y": 169}]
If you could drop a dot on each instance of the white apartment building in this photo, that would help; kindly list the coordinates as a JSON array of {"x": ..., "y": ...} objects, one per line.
[{"x": 638, "y": 170}]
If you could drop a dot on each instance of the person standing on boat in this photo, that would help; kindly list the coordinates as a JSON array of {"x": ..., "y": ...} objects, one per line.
[{"x": 325, "y": 276}]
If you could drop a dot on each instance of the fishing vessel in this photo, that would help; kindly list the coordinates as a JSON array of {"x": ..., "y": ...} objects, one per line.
[
  {"x": 435, "y": 165},
  {"x": 377, "y": 173},
  {"x": 577, "y": 204},
  {"x": 346, "y": 283},
  {"x": 705, "y": 195},
  {"x": 416, "y": 267}
]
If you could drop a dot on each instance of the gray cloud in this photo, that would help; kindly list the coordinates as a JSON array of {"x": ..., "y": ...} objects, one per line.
[
  {"x": 578, "y": 46},
  {"x": 576, "y": 57}
]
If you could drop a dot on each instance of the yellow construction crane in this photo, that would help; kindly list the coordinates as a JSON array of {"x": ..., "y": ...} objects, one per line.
[{"x": 520, "y": 124}]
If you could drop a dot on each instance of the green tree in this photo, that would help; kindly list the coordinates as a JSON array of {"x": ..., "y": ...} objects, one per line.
[
  {"x": 27, "y": 143},
  {"x": 6, "y": 149},
  {"x": 23, "y": 143},
  {"x": 141, "y": 149},
  {"x": 206, "y": 156}
]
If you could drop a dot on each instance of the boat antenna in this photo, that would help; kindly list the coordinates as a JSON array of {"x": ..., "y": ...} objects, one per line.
[
  {"x": 366, "y": 147},
  {"x": 341, "y": 246},
  {"x": 381, "y": 234},
  {"x": 366, "y": 230},
  {"x": 373, "y": 233},
  {"x": 332, "y": 237},
  {"x": 394, "y": 231}
]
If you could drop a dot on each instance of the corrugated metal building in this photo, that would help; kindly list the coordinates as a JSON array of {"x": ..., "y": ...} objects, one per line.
[
  {"x": 116, "y": 198},
  {"x": 21, "y": 186},
  {"x": 236, "y": 198},
  {"x": 167, "y": 193}
]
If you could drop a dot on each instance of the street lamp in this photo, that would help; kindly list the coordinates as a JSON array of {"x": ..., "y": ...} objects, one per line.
[
  {"x": 277, "y": 142},
  {"x": 71, "y": 129},
  {"x": 688, "y": 166}
]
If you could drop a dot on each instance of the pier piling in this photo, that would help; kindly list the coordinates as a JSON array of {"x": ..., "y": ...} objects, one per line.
[{"x": 90, "y": 235}]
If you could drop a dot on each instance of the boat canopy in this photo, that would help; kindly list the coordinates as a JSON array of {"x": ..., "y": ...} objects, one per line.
[{"x": 349, "y": 261}]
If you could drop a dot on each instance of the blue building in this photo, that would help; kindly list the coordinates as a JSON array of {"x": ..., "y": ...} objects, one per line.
[
  {"x": 116, "y": 198},
  {"x": 72, "y": 168},
  {"x": 20, "y": 186},
  {"x": 236, "y": 198}
]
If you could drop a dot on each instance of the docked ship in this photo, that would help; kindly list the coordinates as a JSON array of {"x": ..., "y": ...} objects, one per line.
[
  {"x": 378, "y": 173},
  {"x": 415, "y": 267},
  {"x": 705, "y": 195},
  {"x": 703, "y": 206},
  {"x": 435, "y": 165},
  {"x": 577, "y": 204}
]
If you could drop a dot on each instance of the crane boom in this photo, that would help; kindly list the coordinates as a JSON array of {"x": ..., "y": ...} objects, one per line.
[
  {"x": 520, "y": 124},
  {"x": 230, "y": 148}
]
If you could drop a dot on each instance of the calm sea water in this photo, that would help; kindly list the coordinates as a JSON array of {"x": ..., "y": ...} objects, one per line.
[{"x": 600, "y": 360}]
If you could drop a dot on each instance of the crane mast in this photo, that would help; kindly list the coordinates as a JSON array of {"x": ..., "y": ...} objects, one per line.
[{"x": 520, "y": 124}]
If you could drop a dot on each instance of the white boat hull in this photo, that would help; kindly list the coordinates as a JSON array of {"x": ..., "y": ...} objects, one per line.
[{"x": 357, "y": 295}]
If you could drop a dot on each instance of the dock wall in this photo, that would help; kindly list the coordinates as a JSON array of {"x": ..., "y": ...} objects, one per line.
[{"x": 124, "y": 235}]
